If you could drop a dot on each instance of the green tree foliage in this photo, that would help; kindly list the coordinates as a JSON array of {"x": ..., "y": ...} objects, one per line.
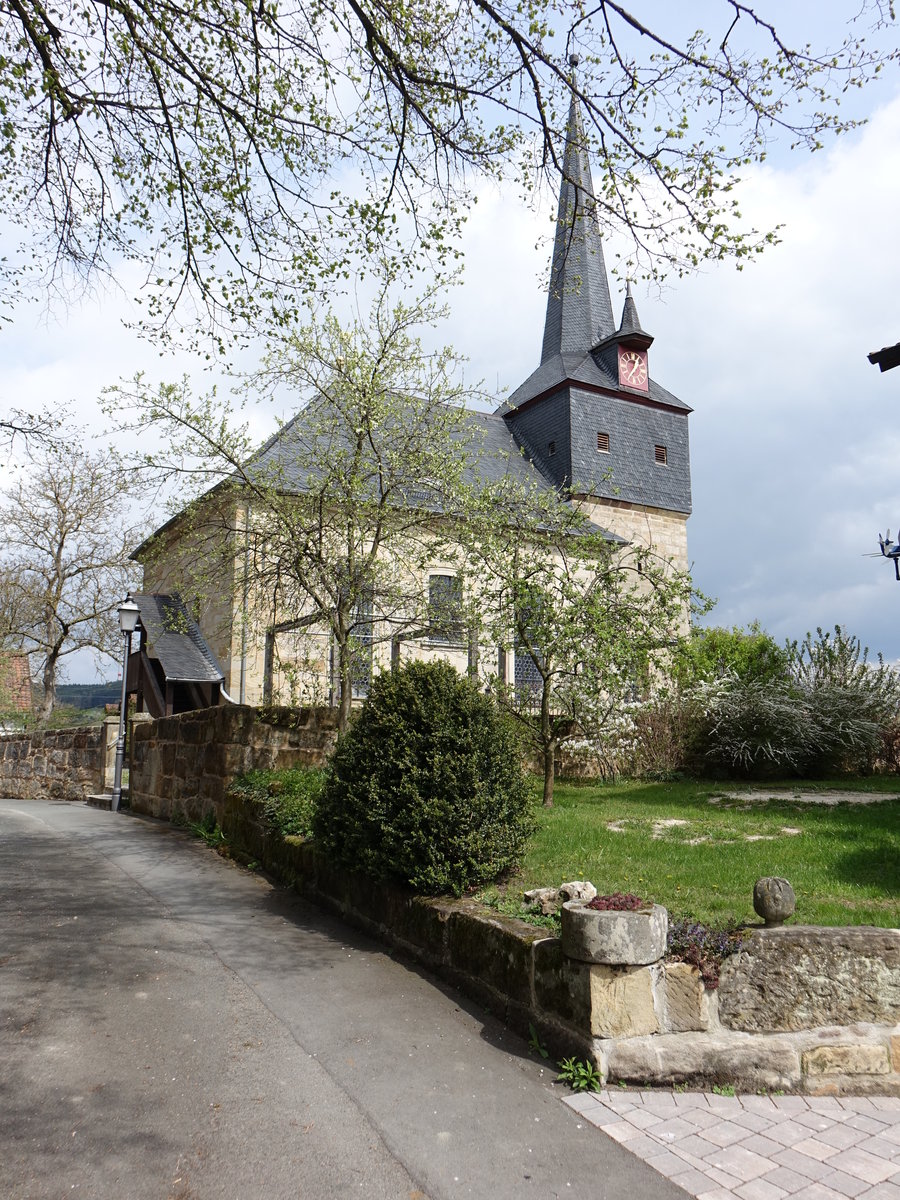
[
  {"x": 334, "y": 520},
  {"x": 749, "y": 653},
  {"x": 588, "y": 621},
  {"x": 426, "y": 786},
  {"x": 241, "y": 150}
]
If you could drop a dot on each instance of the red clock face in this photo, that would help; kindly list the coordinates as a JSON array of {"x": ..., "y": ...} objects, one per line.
[{"x": 633, "y": 368}]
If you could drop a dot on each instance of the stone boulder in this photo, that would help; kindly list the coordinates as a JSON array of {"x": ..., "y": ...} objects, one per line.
[{"x": 548, "y": 900}]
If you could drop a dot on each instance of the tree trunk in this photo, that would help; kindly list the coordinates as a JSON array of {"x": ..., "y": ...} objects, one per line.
[
  {"x": 345, "y": 687},
  {"x": 548, "y": 741},
  {"x": 48, "y": 701},
  {"x": 549, "y": 772}
]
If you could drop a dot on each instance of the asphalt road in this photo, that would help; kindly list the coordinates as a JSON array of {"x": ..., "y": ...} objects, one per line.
[{"x": 172, "y": 1026}]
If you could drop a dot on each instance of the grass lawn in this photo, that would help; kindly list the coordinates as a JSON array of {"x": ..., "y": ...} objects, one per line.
[{"x": 697, "y": 851}]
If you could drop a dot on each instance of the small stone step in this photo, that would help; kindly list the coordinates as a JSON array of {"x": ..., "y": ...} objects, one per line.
[{"x": 100, "y": 800}]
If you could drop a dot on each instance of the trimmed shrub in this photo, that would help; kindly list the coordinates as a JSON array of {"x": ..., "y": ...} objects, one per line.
[{"x": 426, "y": 786}]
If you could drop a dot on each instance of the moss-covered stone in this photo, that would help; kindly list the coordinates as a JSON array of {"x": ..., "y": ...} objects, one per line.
[
  {"x": 496, "y": 949},
  {"x": 562, "y": 987}
]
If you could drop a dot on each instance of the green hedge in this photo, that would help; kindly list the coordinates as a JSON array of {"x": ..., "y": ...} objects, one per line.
[{"x": 426, "y": 786}]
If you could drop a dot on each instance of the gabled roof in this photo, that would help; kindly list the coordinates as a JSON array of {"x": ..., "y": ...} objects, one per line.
[
  {"x": 176, "y": 641},
  {"x": 493, "y": 455},
  {"x": 285, "y": 463}
]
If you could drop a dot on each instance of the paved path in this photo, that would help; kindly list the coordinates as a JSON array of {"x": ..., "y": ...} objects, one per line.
[
  {"x": 174, "y": 1028},
  {"x": 757, "y": 1147}
]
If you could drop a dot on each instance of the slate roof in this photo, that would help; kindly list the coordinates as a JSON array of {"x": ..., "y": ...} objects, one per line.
[
  {"x": 497, "y": 457},
  {"x": 562, "y": 409},
  {"x": 579, "y": 326},
  {"x": 176, "y": 641},
  {"x": 579, "y": 310},
  {"x": 588, "y": 368}
]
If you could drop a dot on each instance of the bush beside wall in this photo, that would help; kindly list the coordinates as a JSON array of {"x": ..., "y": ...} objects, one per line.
[
  {"x": 653, "y": 1024},
  {"x": 181, "y": 766}
]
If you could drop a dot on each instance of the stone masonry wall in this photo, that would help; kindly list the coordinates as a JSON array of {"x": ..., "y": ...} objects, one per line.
[
  {"x": 59, "y": 764},
  {"x": 182, "y": 765},
  {"x": 654, "y": 1024}
]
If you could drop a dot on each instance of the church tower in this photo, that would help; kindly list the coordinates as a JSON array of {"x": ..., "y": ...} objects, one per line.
[{"x": 592, "y": 417}]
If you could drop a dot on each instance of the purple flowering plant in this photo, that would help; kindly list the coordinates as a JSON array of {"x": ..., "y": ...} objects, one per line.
[
  {"x": 617, "y": 902},
  {"x": 703, "y": 947}
]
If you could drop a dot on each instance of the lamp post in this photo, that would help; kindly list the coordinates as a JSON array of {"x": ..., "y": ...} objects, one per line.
[{"x": 128, "y": 619}]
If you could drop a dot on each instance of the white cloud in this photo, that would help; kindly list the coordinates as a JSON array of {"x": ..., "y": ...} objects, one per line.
[{"x": 795, "y": 436}]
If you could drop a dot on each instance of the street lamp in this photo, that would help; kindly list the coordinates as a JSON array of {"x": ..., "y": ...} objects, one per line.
[{"x": 128, "y": 619}]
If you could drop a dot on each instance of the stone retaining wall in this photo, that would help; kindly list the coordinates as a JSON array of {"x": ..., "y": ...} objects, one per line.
[
  {"x": 799, "y": 1009},
  {"x": 181, "y": 766},
  {"x": 59, "y": 764}
]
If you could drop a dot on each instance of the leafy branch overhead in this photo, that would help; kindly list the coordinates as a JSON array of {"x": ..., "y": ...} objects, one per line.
[{"x": 243, "y": 151}]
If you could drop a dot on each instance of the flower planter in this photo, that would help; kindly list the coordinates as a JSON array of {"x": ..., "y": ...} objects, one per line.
[{"x": 612, "y": 937}]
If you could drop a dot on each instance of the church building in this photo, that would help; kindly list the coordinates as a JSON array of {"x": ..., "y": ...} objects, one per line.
[{"x": 590, "y": 423}]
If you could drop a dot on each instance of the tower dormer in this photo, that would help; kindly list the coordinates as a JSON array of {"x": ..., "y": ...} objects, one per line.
[{"x": 629, "y": 346}]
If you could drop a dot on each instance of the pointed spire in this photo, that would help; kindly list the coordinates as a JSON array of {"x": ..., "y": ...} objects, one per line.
[
  {"x": 630, "y": 331},
  {"x": 631, "y": 322},
  {"x": 579, "y": 310}
]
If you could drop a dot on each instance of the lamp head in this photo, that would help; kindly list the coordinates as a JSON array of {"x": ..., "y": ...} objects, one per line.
[{"x": 128, "y": 615}]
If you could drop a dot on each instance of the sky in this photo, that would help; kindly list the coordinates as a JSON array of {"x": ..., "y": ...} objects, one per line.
[{"x": 795, "y": 436}]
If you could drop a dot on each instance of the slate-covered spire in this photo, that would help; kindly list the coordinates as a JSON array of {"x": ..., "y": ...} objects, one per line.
[
  {"x": 579, "y": 310},
  {"x": 631, "y": 322},
  {"x": 630, "y": 325}
]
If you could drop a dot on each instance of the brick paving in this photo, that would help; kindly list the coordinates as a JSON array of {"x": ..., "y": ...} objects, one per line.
[{"x": 757, "y": 1147}]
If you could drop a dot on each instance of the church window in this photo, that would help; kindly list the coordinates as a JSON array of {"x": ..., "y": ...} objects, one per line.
[
  {"x": 662, "y": 456},
  {"x": 603, "y": 442},
  {"x": 445, "y": 610}
]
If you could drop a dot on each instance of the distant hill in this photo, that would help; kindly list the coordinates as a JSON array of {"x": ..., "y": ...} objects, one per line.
[{"x": 88, "y": 695}]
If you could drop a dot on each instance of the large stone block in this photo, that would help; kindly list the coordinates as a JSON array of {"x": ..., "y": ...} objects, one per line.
[
  {"x": 855, "y": 1059},
  {"x": 706, "y": 1059},
  {"x": 802, "y": 977},
  {"x": 624, "y": 1001},
  {"x": 687, "y": 1006},
  {"x": 562, "y": 986},
  {"x": 626, "y": 938},
  {"x": 496, "y": 949},
  {"x": 421, "y": 926}
]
